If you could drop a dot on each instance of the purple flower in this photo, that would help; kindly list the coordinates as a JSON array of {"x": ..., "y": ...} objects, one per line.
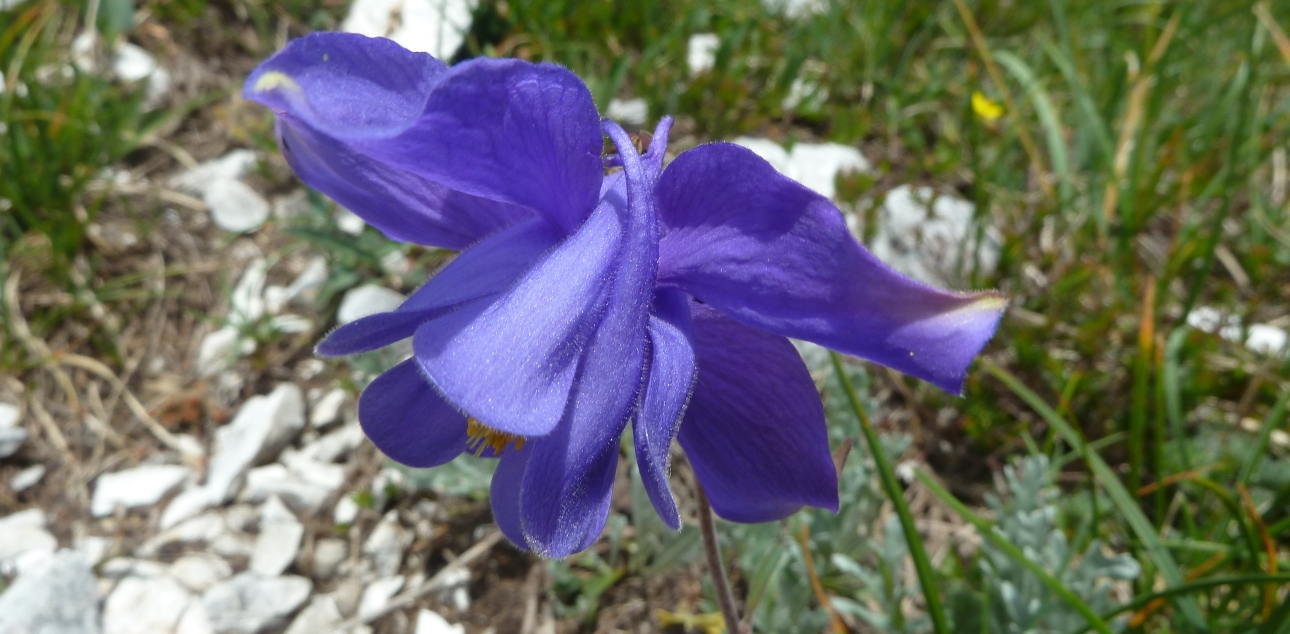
[{"x": 584, "y": 302}]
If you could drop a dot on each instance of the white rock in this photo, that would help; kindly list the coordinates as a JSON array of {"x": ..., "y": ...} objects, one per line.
[
  {"x": 386, "y": 544},
  {"x": 216, "y": 350},
  {"x": 1266, "y": 339},
  {"x": 33, "y": 518},
  {"x": 201, "y": 529},
  {"x": 132, "y": 63},
  {"x": 291, "y": 324},
  {"x": 246, "y": 304},
  {"x": 325, "y": 475},
  {"x": 796, "y": 9},
  {"x": 232, "y": 545},
  {"x": 231, "y": 166},
  {"x": 437, "y": 27},
  {"x": 628, "y": 111},
  {"x": 258, "y": 432},
  {"x": 320, "y": 616},
  {"x": 365, "y": 300},
  {"x": 195, "y": 620},
  {"x": 395, "y": 263},
  {"x": 349, "y": 222},
  {"x": 431, "y": 623},
  {"x": 377, "y": 595},
  {"x": 336, "y": 445},
  {"x": 279, "y": 540},
  {"x": 346, "y": 511},
  {"x": 327, "y": 410},
  {"x": 313, "y": 277},
  {"x": 249, "y": 603},
  {"x": 329, "y": 553},
  {"x": 815, "y": 165},
  {"x": 456, "y": 590},
  {"x": 93, "y": 548},
  {"x": 57, "y": 596},
  {"x": 199, "y": 571},
  {"x": 150, "y": 605},
  {"x": 701, "y": 52},
  {"x": 133, "y": 488},
  {"x": 129, "y": 567},
  {"x": 11, "y": 439},
  {"x": 186, "y": 505},
  {"x": 24, "y": 542},
  {"x": 234, "y": 206},
  {"x": 929, "y": 241},
  {"x": 298, "y": 491},
  {"x": 10, "y": 416},
  {"x": 1261, "y": 338}
]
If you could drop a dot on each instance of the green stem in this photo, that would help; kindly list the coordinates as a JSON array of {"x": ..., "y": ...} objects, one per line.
[
  {"x": 986, "y": 529},
  {"x": 887, "y": 475},
  {"x": 1193, "y": 586}
]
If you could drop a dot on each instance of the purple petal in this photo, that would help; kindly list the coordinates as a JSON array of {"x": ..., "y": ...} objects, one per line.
[
  {"x": 775, "y": 255},
  {"x": 408, "y": 421},
  {"x": 513, "y": 367},
  {"x": 481, "y": 272},
  {"x": 345, "y": 85},
  {"x": 573, "y": 333},
  {"x": 671, "y": 376},
  {"x": 335, "y": 91},
  {"x": 402, "y": 205},
  {"x": 754, "y": 430},
  {"x": 511, "y": 131},
  {"x": 504, "y": 493},
  {"x": 566, "y": 492}
]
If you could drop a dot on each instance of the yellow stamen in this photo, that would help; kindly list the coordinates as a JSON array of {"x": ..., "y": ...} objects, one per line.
[{"x": 483, "y": 437}]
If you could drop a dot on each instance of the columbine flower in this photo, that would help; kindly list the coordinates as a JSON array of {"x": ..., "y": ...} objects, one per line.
[{"x": 583, "y": 302}]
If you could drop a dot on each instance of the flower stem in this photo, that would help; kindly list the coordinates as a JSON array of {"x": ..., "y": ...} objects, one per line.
[
  {"x": 720, "y": 585},
  {"x": 887, "y": 476}
]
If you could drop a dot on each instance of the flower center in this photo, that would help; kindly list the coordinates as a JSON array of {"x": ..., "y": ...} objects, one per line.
[{"x": 483, "y": 437}]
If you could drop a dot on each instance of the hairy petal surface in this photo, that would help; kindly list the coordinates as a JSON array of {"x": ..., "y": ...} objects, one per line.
[
  {"x": 408, "y": 421},
  {"x": 511, "y": 131},
  {"x": 480, "y": 273},
  {"x": 567, "y": 486},
  {"x": 667, "y": 390},
  {"x": 774, "y": 255},
  {"x": 335, "y": 91},
  {"x": 402, "y": 205},
  {"x": 512, "y": 366},
  {"x": 754, "y": 430}
]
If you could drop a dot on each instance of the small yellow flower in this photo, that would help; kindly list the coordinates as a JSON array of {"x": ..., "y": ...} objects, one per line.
[
  {"x": 985, "y": 108},
  {"x": 707, "y": 623}
]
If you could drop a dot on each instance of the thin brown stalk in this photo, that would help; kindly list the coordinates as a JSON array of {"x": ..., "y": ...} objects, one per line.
[{"x": 720, "y": 585}]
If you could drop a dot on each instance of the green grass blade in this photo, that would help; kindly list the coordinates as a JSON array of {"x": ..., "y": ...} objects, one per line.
[
  {"x": 987, "y": 532},
  {"x": 1196, "y": 586},
  {"x": 1127, "y": 505},
  {"x": 1047, "y": 117},
  {"x": 1271, "y": 423},
  {"x": 887, "y": 475}
]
